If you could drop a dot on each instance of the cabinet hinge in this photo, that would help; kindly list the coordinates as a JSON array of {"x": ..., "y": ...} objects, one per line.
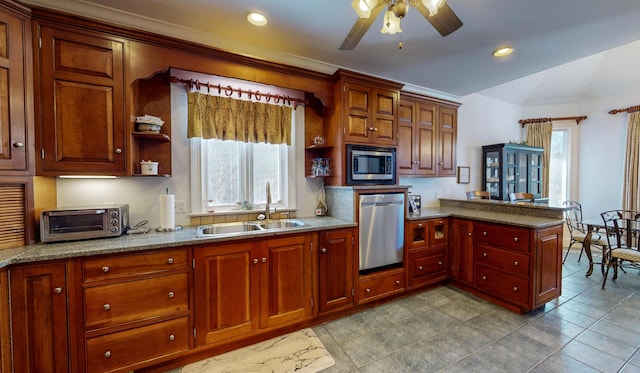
[
  {"x": 311, "y": 246},
  {"x": 42, "y": 153},
  {"x": 353, "y": 240},
  {"x": 193, "y": 263},
  {"x": 39, "y": 42},
  {"x": 311, "y": 302},
  {"x": 353, "y": 292},
  {"x": 194, "y": 333}
]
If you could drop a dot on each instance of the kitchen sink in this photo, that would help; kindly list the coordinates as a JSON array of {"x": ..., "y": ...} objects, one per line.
[
  {"x": 282, "y": 223},
  {"x": 226, "y": 228},
  {"x": 212, "y": 230}
]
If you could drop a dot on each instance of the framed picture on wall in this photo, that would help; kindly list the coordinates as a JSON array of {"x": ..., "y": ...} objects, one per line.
[{"x": 463, "y": 175}]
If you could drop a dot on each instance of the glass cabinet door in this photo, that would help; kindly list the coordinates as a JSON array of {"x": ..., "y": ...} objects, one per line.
[
  {"x": 535, "y": 174},
  {"x": 492, "y": 173}
]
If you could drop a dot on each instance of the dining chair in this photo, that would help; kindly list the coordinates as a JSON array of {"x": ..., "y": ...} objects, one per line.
[
  {"x": 521, "y": 197},
  {"x": 623, "y": 232},
  {"x": 577, "y": 230},
  {"x": 478, "y": 194}
]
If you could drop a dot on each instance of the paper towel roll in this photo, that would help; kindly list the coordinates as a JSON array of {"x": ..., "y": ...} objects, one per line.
[{"x": 167, "y": 211}]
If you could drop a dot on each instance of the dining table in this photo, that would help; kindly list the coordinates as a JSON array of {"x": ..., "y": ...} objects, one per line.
[{"x": 593, "y": 225}]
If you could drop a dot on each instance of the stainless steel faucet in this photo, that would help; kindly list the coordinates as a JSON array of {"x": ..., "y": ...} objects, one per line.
[{"x": 267, "y": 206}]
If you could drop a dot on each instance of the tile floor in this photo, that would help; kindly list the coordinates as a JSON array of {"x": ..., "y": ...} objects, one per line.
[{"x": 446, "y": 330}]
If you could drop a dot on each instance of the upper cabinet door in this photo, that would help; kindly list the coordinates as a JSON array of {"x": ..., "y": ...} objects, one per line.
[
  {"x": 448, "y": 130},
  {"x": 385, "y": 117},
  {"x": 82, "y": 119},
  {"x": 357, "y": 114},
  {"x": 16, "y": 124}
]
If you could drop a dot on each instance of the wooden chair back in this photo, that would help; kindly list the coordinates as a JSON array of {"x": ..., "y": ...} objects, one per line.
[
  {"x": 521, "y": 197},
  {"x": 478, "y": 194}
]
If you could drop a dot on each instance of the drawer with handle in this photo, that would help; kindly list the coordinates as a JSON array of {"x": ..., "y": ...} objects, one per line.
[
  {"x": 380, "y": 285},
  {"x": 117, "y": 351},
  {"x": 506, "y": 236},
  {"x": 427, "y": 266},
  {"x": 511, "y": 288},
  {"x": 110, "y": 267},
  {"x": 508, "y": 261},
  {"x": 132, "y": 301}
]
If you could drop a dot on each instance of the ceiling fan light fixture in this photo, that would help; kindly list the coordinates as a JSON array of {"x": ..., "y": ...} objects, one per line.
[
  {"x": 363, "y": 7},
  {"x": 502, "y": 51},
  {"x": 433, "y": 6},
  {"x": 391, "y": 23},
  {"x": 399, "y": 8},
  {"x": 256, "y": 19}
]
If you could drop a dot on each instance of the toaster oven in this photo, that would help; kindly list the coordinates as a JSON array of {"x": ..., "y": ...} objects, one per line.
[{"x": 83, "y": 223}]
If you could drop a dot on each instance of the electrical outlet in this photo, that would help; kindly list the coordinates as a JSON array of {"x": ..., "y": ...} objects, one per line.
[{"x": 181, "y": 205}]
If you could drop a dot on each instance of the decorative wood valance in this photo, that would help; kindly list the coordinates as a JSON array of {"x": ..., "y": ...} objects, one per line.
[
  {"x": 540, "y": 120},
  {"x": 630, "y": 109}
]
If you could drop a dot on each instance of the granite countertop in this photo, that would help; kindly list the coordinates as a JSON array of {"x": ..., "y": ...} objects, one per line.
[
  {"x": 151, "y": 240},
  {"x": 526, "y": 221}
]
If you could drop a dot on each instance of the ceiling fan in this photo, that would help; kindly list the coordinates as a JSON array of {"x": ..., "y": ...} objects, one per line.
[{"x": 437, "y": 12}]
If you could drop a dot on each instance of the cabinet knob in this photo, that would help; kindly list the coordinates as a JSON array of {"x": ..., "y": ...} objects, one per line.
[
  {"x": 107, "y": 354},
  {"x": 118, "y": 150},
  {"x": 420, "y": 225},
  {"x": 172, "y": 294},
  {"x": 18, "y": 145},
  {"x": 484, "y": 233},
  {"x": 441, "y": 163},
  {"x": 515, "y": 239},
  {"x": 255, "y": 261},
  {"x": 516, "y": 263},
  {"x": 397, "y": 282},
  {"x": 469, "y": 234},
  {"x": 323, "y": 250},
  {"x": 105, "y": 269},
  {"x": 419, "y": 268},
  {"x": 367, "y": 290},
  {"x": 484, "y": 255},
  {"x": 170, "y": 261},
  {"x": 484, "y": 278},
  {"x": 106, "y": 306},
  {"x": 371, "y": 129},
  {"x": 57, "y": 290},
  {"x": 264, "y": 259},
  {"x": 515, "y": 289},
  {"x": 440, "y": 264},
  {"x": 172, "y": 337}
]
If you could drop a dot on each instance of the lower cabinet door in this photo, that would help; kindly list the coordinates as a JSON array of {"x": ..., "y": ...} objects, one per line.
[
  {"x": 335, "y": 269},
  {"x": 137, "y": 347},
  {"x": 39, "y": 318}
]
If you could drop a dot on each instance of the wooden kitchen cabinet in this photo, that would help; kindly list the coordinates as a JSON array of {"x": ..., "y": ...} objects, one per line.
[
  {"x": 5, "y": 323},
  {"x": 336, "y": 270},
  {"x": 251, "y": 285},
  {"x": 381, "y": 284},
  {"x": 427, "y": 135},
  {"x": 16, "y": 91},
  {"x": 131, "y": 299},
  {"x": 81, "y": 116},
  {"x": 427, "y": 251},
  {"x": 462, "y": 243},
  {"x": 39, "y": 311},
  {"x": 519, "y": 267}
]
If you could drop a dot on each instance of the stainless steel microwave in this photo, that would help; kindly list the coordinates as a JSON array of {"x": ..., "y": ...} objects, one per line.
[
  {"x": 83, "y": 223},
  {"x": 370, "y": 165}
]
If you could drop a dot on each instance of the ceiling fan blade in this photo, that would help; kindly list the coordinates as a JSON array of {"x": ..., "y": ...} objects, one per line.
[
  {"x": 445, "y": 21},
  {"x": 361, "y": 26}
]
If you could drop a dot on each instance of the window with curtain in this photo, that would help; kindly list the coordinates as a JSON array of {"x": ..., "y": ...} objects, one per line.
[{"x": 237, "y": 146}]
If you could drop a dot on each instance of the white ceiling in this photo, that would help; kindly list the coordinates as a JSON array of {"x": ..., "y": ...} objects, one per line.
[{"x": 547, "y": 36}]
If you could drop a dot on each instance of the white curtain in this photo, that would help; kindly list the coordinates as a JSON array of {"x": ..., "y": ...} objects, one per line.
[
  {"x": 539, "y": 134},
  {"x": 630, "y": 190}
]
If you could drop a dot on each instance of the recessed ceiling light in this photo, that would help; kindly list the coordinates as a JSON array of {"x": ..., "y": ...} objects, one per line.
[
  {"x": 501, "y": 52},
  {"x": 256, "y": 19}
]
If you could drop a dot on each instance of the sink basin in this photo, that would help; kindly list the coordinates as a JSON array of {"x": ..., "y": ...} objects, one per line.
[
  {"x": 226, "y": 228},
  {"x": 282, "y": 223}
]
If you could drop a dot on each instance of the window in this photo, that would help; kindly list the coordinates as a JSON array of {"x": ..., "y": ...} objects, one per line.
[
  {"x": 232, "y": 172},
  {"x": 563, "y": 168}
]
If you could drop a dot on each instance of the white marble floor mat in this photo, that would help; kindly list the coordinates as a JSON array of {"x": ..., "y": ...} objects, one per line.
[{"x": 300, "y": 351}]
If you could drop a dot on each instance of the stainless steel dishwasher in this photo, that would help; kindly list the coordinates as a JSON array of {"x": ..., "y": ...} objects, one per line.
[{"x": 381, "y": 226}]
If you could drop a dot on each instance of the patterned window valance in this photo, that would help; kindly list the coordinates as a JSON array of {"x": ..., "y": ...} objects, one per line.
[{"x": 224, "y": 118}]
